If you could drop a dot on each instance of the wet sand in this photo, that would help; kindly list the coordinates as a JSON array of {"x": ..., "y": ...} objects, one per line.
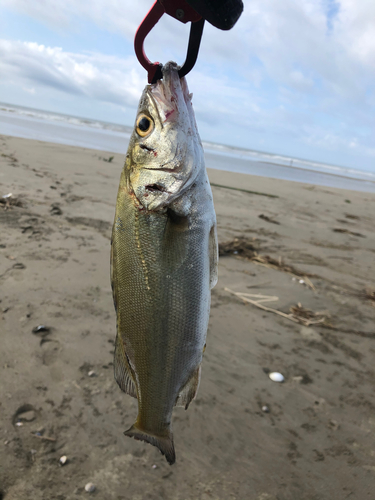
[{"x": 315, "y": 442}]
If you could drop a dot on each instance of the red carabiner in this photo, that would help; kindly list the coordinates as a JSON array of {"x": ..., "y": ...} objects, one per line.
[{"x": 181, "y": 11}]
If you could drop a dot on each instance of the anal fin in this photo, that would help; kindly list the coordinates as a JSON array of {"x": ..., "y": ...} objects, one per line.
[
  {"x": 190, "y": 389},
  {"x": 122, "y": 369}
]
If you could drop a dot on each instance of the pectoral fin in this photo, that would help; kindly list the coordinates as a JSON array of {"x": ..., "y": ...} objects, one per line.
[
  {"x": 175, "y": 249},
  {"x": 214, "y": 257},
  {"x": 123, "y": 372},
  {"x": 190, "y": 389}
]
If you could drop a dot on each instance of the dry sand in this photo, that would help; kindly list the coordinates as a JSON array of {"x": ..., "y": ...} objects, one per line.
[{"x": 317, "y": 440}]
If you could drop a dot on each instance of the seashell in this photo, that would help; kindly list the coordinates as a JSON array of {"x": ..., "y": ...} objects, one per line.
[
  {"x": 90, "y": 487},
  {"x": 63, "y": 460},
  {"x": 276, "y": 377}
]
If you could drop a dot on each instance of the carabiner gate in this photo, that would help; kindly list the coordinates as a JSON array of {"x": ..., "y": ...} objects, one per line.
[{"x": 181, "y": 11}]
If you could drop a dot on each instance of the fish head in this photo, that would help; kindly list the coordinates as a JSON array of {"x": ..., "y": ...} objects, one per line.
[{"x": 165, "y": 152}]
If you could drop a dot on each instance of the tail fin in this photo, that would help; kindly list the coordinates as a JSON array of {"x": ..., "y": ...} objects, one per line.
[{"x": 164, "y": 443}]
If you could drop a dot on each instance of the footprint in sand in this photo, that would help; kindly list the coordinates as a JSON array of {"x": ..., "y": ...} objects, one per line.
[{"x": 50, "y": 350}]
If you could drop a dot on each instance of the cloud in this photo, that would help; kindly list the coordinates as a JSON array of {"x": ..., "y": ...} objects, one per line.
[{"x": 104, "y": 78}]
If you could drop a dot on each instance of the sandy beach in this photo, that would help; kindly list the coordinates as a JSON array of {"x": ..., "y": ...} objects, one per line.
[{"x": 303, "y": 251}]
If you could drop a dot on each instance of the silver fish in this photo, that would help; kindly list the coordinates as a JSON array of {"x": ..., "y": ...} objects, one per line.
[{"x": 163, "y": 260}]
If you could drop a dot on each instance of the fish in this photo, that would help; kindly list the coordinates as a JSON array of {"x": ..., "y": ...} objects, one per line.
[{"x": 164, "y": 260}]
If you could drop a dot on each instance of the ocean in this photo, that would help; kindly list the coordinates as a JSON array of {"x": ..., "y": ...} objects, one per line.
[{"x": 94, "y": 134}]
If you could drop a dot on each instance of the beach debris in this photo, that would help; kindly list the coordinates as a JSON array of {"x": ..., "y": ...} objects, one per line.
[
  {"x": 55, "y": 209},
  {"x": 108, "y": 160},
  {"x": 90, "y": 487},
  {"x": 351, "y": 216},
  {"x": 33, "y": 453},
  {"x": 45, "y": 438},
  {"x": 63, "y": 460},
  {"x": 276, "y": 377},
  {"x": 298, "y": 314},
  {"x": 268, "y": 219},
  {"x": 25, "y": 413},
  {"x": 265, "y": 409},
  {"x": 91, "y": 373},
  {"x": 244, "y": 190},
  {"x": 8, "y": 200},
  {"x": 247, "y": 248},
  {"x": 347, "y": 231},
  {"x": 19, "y": 265},
  {"x": 244, "y": 247},
  {"x": 334, "y": 425},
  {"x": 369, "y": 294},
  {"x": 308, "y": 317},
  {"x": 154, "y": 466},
  {"x": 45, "y": 330},
  {"x": 11, "y": 157}
]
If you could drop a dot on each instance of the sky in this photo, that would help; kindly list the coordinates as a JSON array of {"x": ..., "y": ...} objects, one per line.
[{"x": 293, "y": 77}]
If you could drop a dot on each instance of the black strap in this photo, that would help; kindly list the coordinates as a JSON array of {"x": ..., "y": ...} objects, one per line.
[{"x": 222, "y": 14}]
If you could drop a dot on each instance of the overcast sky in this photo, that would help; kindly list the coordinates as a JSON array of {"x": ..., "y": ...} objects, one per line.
[{"x": 295, "y": 77}]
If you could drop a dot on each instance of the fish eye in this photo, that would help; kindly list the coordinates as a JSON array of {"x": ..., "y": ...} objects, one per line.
[{"x": 144, "y": 126}]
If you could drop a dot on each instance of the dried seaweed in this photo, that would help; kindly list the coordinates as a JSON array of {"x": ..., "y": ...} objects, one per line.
[
  {"x": 307, "y": 316},
  {"x": 243, "y": 247},
  {"x": 268, "y": 219}
]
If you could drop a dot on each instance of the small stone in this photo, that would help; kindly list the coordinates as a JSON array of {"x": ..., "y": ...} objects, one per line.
[
  {"x": 91, "y": 373},
  {"x": 55, "y": 209},
  {"x": 334, "y": 425},
  {"x": 41, "y": 329},
  {"x": 276, "y": 377},
  {"x": 302, "y": 282},
  {"x": 90, "y": 487},
  {"x": 19, "y": 424},
  {"x": 154, "y": 466},
  {"x": 265, "y": 409},
  {"x": 63, "y": 460},
  {"x": 298, "y": 379}
]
